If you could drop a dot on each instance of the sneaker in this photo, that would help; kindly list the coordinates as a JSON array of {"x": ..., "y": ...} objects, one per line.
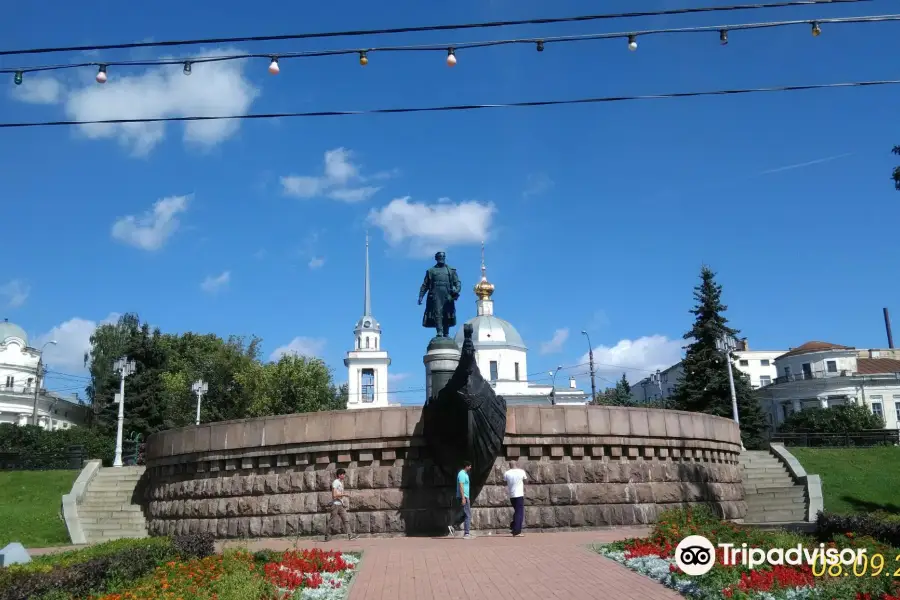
[
  {"x": 518, "y": 535},
  {"x": 468, "y": 536},
  {"x": 451, "y": 530}
]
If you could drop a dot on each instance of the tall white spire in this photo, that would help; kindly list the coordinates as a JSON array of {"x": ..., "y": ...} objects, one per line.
[{"x": 367, "y": 309}]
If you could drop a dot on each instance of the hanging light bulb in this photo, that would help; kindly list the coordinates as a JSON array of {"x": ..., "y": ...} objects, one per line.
[
  {"x": 363, "y": 59},
  {"x": 816, "y": 31},
  {"x": 451, "y": 58},
  {"x": 540, "y": 45},
  {"x": 18, "y": 78},
  {"x": 723, "y": 37},
  {"x": 632, "y": 42},
  {"x": 101, "y": 74},
  {"x": 273, "y": 66},
  {"x": 187, "y": 68}
]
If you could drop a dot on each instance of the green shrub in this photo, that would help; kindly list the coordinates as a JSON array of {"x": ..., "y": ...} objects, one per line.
[
  {"x": 847, "y": 418},
  {"x": 29, "y": 440}
]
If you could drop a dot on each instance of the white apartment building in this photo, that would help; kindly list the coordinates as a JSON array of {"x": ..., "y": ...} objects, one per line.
[
  {"x": 822, "y": 374},
  {"x": 19, "y": 379},
  {"x": 757, "y": 365}
]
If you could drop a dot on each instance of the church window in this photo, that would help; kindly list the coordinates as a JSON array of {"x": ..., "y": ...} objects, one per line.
[
  {"x": 367, "y": 342},
  {"x": 30, "y": 381},
  {"x": 493, "y": 370},
  {"x": 359, "y": 342},
  {"x": 10, "y": 381},
  {"x": 367, "y": 384},
  {"x": 517, "y": 371}
]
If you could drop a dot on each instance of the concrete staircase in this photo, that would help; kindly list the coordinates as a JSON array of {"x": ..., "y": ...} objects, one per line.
[
  {"x": 772, "y": 495},
  {"x": 107, "y": 511}
]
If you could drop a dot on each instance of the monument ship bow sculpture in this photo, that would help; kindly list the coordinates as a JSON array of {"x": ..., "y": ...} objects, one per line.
[{"x": 464, "y": 419}]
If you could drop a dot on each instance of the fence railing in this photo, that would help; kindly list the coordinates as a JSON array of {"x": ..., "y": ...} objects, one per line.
[
  {"x": 72, "y": 458},
  {"x": 869, "y": 437}
]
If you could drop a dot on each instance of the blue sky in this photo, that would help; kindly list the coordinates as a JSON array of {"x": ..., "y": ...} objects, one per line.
[{"x": 596, "y": 217}]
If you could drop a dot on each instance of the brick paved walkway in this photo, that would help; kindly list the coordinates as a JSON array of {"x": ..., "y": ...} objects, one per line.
[{"x": 539, "y": 566}]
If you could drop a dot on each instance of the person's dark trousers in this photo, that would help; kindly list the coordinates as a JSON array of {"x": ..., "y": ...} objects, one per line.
[
  {"x": 518, "y": 505},
  {"x": 463, "y": 515}
]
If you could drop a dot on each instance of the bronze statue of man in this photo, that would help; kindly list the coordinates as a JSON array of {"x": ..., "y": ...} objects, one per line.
[{"x": 442, "y": 286}]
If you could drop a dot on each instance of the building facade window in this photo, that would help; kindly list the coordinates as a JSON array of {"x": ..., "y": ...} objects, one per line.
[
  {"x": 831, "y": 366},
  {"x": 787, "y": 372},
  {"x": 359, "y": 343},
  {"x": 367, "y": 342},
  {"x": 897, "y": 408},
  {"x": 764, "y": 380},
  {"x": 877, "y": 406},
  {"x": 744, "y": 363},
  {"x": 493, "y": 367},
  {"x": 367, "y": 384},
  {"x": 807, "y": 370},
  {"x": 376, "y": 343},
  {"x": 764, "y": 362},
  {"x": 30, "y": 381},
  {"x": 10, "y": 381},
  {"x": 517, "y": 371}
]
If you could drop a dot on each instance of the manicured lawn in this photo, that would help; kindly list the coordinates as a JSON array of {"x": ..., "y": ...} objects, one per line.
[
  {"x": 855, "y": 480},
  {"x": 30, "y": 503}
]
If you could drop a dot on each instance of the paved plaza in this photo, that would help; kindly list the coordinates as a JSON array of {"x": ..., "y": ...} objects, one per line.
[{"x": 536, "y": 567}]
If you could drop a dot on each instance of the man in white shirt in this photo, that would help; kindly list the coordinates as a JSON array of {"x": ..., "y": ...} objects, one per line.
[
  {"x": 515, "y": 483},
  {"x": 338, "y": 507}
]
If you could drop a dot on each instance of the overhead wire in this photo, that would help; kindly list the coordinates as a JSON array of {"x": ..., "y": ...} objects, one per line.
[
  {"x": 452, "y": 107},
  {"x": 187, "y": 63},
  {"x": 425, "y": 28}
]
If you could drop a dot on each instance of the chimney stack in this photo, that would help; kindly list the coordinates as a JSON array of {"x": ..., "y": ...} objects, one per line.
[{"x": 887, "y": 326}]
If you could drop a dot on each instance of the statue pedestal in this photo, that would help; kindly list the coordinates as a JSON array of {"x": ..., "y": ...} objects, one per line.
[{"x": 441, "y": 360}]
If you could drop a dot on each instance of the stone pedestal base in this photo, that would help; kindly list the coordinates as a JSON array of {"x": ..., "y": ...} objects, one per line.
[{"x": 440, "y": 360}]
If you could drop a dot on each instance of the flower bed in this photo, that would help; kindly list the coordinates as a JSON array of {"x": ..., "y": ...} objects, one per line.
[
  {"x": 654, "y": 557},
  {"x": 184, "y": 568}
]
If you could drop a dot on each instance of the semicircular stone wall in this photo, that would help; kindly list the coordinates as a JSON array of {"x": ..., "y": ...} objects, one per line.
[{"x": 588, "y": 466}]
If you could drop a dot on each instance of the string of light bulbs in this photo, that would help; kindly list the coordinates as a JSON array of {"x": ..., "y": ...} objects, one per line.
[
  {"x": 451, "y": 49},
  {"x": 425, "y": 28},
  {"x": 454, "y": 107}
]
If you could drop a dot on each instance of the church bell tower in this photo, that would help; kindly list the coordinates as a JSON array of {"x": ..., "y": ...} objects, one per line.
[{"x": 367, "y": 364}]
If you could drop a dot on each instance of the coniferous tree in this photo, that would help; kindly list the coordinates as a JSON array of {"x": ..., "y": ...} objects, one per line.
[
  {"x": 704, "y": 385},
  {"x": 896, "y": 175}
]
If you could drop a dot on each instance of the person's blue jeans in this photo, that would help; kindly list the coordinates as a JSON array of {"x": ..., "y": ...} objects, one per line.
[
  {"x": 518, "y": 505},
  {"x": 464, "y": 516}
]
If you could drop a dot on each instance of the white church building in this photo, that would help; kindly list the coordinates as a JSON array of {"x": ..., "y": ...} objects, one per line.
[
  {"x": 21, "y": 377},
  {"x": 367, "y": 364},
  {"x": 502, "y": 355}
]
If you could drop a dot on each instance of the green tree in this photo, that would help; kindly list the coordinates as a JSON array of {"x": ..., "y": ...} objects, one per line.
[
  {"x": 704, "y": 386},
  {"x": 896, "y": 175},
  {"x": 616, "y": 396},
  {"x": 294, "y": 384}
]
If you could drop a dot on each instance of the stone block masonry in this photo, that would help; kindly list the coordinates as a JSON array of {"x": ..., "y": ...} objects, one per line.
[{"x": 587, "y": 467}]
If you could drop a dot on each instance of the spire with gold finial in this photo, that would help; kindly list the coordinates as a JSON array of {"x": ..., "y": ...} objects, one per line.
[{"x": 484, "y": 289}]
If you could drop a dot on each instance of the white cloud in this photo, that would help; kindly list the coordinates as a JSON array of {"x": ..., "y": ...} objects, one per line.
[
  {"x": 151, "y": 230},
  {"x": 211, "y": 284},
  {"x": 340, "y": 180},
  {"x": 316, "y": 262},
  {"x": 301, "y": 346},
  {"x": 636, "y": 358},
  {"x": 73, "y": 339},
  {"x": 39, "y": 90},
  {"x": 15, "y": 292},
  {"x": 213, "y": 89},
  {"x": 427, "y": 228},
  {"x": 555, "y": 343}
]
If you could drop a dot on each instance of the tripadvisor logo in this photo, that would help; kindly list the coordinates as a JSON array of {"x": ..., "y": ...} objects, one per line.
[{"x": 695, "y": 555}]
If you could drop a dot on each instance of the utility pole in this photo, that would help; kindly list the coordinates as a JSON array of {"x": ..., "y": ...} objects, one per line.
[
  {"x": 125, "y": 368},
  {"x": 591, "y": 359},
  {"x": 200, "y": 387},
  {"x": 38, "y": 380}
]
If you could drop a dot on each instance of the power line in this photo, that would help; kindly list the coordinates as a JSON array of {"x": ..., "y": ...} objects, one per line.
[
  {"x": 451, "y": 48},
  {"x": 456, "y": 107},
  {"x": 424, "y": 28}
]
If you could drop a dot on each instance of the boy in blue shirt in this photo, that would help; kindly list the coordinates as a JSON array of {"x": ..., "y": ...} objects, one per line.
[{"x": 462, "y": 499}]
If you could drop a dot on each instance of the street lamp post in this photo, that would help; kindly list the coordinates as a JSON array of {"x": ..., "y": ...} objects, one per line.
[
  {"x": 553, "y": 384},
  {"x": 125, "y": 368},
  {"x": 591, "y": 359},
  {"x": 726, "y": 345},
  {"x": 37, "y": 380},
  {"x": 200, "y": 387}
]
